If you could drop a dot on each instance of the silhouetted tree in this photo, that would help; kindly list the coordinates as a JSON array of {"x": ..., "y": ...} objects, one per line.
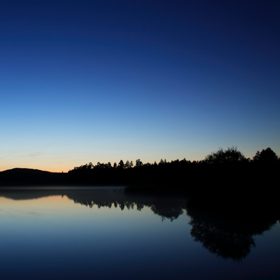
[
  {"x": 128, "y": 164},
  {"x": 266, "y": 155},
  {"x": 138, "y": 163},
  {"x": 99, "y": 165},
  {"x": 121, "y": 164},
  {"x": 231, "y": 155}
]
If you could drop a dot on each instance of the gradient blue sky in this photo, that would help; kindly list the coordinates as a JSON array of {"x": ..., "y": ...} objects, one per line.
[{"x": 107, "y": 80}]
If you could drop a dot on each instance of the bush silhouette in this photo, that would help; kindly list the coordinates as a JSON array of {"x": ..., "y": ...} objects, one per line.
[
  {"x": 230, "y": 155},
  {"x": 266, "y": 155}
]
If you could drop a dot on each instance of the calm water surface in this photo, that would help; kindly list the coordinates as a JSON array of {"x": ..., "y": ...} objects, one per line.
[{"x": 109, "y": 234}]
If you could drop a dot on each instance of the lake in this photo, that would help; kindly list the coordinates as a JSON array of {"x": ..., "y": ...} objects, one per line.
[{"x": 108, "y": 233}]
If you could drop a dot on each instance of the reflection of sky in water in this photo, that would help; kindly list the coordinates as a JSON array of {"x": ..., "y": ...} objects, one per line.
[
  {"x": 56, "y": 233},
  {"x": 53, "y": 238}
]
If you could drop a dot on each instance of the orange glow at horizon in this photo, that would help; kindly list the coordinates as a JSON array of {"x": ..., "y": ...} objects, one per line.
[{"x": 68, "y": 163}]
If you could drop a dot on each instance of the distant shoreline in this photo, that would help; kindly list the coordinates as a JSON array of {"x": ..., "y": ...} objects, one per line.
[{"x": 222, "y": 173}]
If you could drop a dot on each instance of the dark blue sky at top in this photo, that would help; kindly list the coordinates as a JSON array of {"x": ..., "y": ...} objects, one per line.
[{"x": 103, "y": 80}]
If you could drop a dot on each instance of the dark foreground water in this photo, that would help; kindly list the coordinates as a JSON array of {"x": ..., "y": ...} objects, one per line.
[{"x": 109, "y": 234}]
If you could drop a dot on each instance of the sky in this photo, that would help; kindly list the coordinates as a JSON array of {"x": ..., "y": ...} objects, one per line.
[{"x": 88, "y": 81}]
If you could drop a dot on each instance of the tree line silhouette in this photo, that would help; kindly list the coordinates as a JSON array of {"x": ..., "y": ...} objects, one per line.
[
  {"x": 228, "y": 166},
  {"x": 224, "y": 167}
]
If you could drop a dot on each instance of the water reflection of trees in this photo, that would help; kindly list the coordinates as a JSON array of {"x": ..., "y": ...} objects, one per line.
[
  {"x": 166, "y": 206},
  {"x": 225, "y": 229},
  {"x": 228, "y": 244},
  {"x": 228, "y": 230}
]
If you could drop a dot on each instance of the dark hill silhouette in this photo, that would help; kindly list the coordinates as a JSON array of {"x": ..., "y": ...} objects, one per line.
[
  {"x": 28, "y": 177},
  {"x": 24, "y": 171}
]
